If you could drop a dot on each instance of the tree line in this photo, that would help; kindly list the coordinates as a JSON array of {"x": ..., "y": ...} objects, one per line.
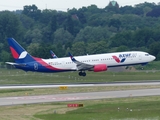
[{"x": 88, "y": 30}]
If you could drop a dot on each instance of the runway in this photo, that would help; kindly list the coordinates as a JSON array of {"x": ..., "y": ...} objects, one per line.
[
  {"x": 77, "y": 96},
  {"x": 153, "y": 82}
]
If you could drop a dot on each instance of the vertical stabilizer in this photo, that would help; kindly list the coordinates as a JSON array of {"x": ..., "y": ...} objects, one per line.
[
  {"x": 53, "y": 54},
  {"x": 19, "y": 54}
]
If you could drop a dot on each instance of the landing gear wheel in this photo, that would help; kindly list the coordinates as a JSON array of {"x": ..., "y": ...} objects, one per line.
[{"x": 82, "y": 74}]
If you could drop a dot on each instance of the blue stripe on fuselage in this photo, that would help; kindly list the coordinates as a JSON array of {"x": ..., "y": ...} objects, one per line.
[{"x": 37, "y": 67}]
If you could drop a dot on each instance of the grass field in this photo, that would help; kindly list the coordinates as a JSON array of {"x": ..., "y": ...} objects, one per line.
[
  {"x": 155, "y": 65},
  {"x": 138, "y": 108},
  {"x": 144, "y": 108},
  {"x": 8, "y": 76}
]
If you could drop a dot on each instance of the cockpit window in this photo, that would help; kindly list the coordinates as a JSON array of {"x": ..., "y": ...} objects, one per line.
[{"x": 146, "y": 54}]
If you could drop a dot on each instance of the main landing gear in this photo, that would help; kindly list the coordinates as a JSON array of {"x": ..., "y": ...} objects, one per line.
[{"x": 82, "y": 74}]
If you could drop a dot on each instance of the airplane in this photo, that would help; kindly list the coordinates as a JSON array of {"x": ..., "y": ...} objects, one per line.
[
  {"x": 53, "y": 54},
  {"x": 97, "y": 62}
]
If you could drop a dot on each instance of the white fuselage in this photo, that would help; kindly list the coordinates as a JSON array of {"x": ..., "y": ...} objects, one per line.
[{"x": 122, "y": 59}]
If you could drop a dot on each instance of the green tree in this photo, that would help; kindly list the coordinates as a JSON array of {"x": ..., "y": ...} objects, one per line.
[
  {"x": 53, "y": 23},
  {"x": 33, "y": 49},
  {"x": 33, "y": 36},
  {"x": 10, "y": 26},
  {"x": 32, "y": 11},
  {"x": 62, "y": 36},
  {"x": 115, "y": 23},
  {"x": 26, "y": 21},
  {"x": 70, "y": 25},
  {"x": 79, "y": 48},
  {"x": 154, "y": 49},
  {"x": 97, "y": 48},
  {"x": 122, "y": 48},
  {"x": 146, "y": 10},
  {"x": 124, "y": 38},
  {"x": 48, "y": 16},
  {"x": 92, "y": 34},
  {"x": 142, "y": 37},
  {"x": 5, "y": 56}
]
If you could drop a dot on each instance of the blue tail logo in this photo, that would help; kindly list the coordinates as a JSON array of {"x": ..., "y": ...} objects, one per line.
[{"x": 19, "y": 54}]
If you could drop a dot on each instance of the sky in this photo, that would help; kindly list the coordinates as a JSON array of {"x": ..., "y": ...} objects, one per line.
[{"x": 63, "y": 5}]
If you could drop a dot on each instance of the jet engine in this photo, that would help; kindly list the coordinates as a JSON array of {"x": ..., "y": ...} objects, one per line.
[{"x": 100, "y": 68}]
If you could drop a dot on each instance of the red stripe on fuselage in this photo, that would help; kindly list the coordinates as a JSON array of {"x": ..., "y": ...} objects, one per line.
[
  {"x": 39, "y": 60},
  {"x": 14, "y": 53}
]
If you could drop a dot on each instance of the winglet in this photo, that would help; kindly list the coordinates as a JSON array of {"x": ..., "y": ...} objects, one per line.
[{"x": 72, "y": 58}]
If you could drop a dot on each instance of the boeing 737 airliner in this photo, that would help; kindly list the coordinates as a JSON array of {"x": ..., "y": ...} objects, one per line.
[{"x": 96, "y": 63}]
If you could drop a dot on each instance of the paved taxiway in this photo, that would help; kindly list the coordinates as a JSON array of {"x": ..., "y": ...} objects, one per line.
[{"x": 78, "y": 96}]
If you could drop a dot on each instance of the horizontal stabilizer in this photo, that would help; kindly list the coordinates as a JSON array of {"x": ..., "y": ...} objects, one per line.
[{"x": 16, "y": 64}]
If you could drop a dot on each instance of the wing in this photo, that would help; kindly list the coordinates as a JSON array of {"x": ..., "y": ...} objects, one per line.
[{"x": 80, "y": 65}]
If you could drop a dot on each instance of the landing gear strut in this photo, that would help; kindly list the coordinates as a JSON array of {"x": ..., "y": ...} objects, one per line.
[{"x": 82, "y": 74}]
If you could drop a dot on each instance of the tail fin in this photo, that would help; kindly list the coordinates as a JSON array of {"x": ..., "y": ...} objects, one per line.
[
  {"x": 19, "y": 54},
  {"x": 53, "y": 55}
]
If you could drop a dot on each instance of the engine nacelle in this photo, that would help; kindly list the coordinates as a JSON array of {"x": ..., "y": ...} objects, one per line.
[{"x": 100, "y": 68}]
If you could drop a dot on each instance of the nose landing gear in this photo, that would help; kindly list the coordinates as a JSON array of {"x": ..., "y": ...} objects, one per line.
[{"x": 82, "y": 74}]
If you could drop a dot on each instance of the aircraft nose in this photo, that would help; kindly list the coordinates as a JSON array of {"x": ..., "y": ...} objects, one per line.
[{"x": 153, "y": 57}]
